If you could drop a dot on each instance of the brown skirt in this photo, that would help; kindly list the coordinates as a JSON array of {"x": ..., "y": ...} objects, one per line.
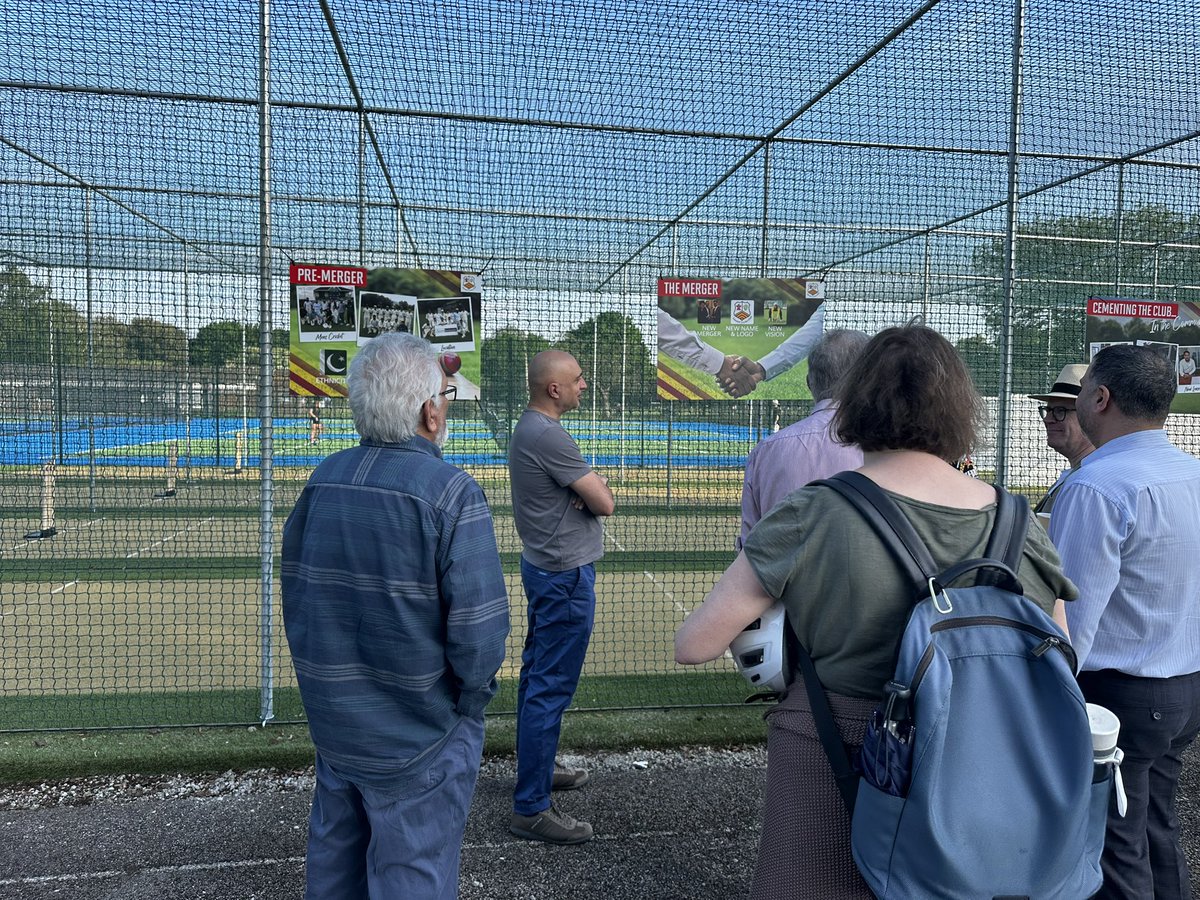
[{"x": 804, "y": 853}]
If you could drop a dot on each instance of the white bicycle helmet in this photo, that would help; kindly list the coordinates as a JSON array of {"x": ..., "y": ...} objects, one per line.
[{"x": 758, "y": 652}]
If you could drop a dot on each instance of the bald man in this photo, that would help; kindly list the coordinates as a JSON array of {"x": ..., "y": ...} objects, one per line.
[{"x": 558, "y": 504}]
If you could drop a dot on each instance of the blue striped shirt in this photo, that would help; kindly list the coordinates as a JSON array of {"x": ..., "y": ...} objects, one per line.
[
  {"x": 394, "y": 604},
  {"x": 1127, "y": 526}
]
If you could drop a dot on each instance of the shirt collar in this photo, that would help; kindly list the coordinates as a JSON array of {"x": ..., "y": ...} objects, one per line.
[
  {"x": 1137, "y": 440},
  {"x": 415, "y": 444}
]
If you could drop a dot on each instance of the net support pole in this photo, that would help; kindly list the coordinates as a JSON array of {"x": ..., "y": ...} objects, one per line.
[
  {"x": 1119, "y": 229},
  {"x": 1008, "y": 291},
  {"x": 266, "y": 525},
  {"x": 91, "y": 345}
]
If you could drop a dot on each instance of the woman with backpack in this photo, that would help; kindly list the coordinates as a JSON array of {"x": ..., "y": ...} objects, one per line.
[{"x": 910, "y": 404}]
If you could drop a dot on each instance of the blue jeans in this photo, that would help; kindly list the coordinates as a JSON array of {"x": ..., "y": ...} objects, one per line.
[
  {"x": 370, "y": 843},
  {"x": 562, "y": 608}
]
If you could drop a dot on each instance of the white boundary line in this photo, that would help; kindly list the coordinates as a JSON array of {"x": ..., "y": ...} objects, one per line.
[
  {"x": 150, "y": 870},
  {"x": 140, "y": 550},
  {"x": 670, "y": 595},
  {"x": 170, "y": 537},
  {"x": 15, "y": 547},
  {"x": 231, "y": 865}
]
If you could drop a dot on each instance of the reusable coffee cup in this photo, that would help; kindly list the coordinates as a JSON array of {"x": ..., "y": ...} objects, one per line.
[{"x": 1105, "y": 727}]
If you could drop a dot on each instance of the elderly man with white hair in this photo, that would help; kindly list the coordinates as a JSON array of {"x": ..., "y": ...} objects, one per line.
[{"x": 396, "y": 614}]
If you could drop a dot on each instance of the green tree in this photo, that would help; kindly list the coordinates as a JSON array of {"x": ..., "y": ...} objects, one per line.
[
  {"x": 219, "y": 343},
  {"x": 615, "y": 360},
  {"x": 152, "y": 341},
  {"x": 413, "y": 282},
  {"x": 28, "y": 315},
  {"x": 1061, "y": 261},
  {"x": 503, "y": 366},
  {"x": 983, "y": 358},
  {"x": 110, "y": 341},
  {"x": 678, "y": 308}
]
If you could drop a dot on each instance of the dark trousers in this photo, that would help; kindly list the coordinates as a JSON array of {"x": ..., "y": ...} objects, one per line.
[
  {"x": 1159, "y": 719},
  {"x": 562, "y": 609}
]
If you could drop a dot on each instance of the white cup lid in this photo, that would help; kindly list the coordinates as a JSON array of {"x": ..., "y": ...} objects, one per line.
[{"x": 1105, "y": 727}]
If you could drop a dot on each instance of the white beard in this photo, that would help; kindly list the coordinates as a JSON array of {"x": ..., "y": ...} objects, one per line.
[{"x": 443, "y": 432}]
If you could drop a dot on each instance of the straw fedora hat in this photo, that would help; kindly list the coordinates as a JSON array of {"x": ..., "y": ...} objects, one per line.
[{"x": 1066, "y": 387}]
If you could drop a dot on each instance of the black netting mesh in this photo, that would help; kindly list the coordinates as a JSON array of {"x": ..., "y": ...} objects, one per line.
[{"x": 915, "y": 158}]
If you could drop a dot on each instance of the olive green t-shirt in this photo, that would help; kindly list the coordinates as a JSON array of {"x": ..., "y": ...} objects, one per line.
[{"x": 848, "y": 599}]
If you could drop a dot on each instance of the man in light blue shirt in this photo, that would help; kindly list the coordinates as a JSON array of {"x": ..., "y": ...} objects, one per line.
[{"x": 1123, "y": 525}]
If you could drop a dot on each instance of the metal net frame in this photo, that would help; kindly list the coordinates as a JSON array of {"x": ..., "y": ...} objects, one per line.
[{"x": 986, "y": 165}]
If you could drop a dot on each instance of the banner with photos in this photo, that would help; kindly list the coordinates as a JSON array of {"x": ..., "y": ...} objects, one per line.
[
  {"x": 335, "y": 309},
  {"x": 727, "y": 339},
  {"x": 1170, "y": 328}
]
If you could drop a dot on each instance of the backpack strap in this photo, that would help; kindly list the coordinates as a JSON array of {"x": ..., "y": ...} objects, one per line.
[
  {"x": 1008, "y": 533},
  {"x": 910, "y": 551},
  {"x": 844, "y": 774},
  {"x": 1002, "y": 556}
]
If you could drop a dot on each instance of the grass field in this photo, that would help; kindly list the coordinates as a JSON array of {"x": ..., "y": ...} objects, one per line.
[
  {"x": 203, "y": 634},
  {"x": 146, "y": 610}
]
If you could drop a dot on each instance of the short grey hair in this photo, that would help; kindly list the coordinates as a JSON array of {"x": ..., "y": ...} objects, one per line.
[
  {"x": 390, "y": 378},
  {"x": 831, "y": 358}
]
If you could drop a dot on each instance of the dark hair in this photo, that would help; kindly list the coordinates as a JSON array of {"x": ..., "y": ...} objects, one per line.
[
  {"x": 910, "y": 390},
  {"x": 830, "y": 359},
  {"x": 1140, "y": 380}
]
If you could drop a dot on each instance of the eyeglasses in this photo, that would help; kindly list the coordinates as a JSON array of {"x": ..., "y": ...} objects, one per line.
[
  {"x": 1057, "y": 413},
  {"x": 450, "y": 393}
]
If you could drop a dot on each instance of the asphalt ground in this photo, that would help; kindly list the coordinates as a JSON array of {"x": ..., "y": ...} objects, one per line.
[{"x": 670, "y": 825}]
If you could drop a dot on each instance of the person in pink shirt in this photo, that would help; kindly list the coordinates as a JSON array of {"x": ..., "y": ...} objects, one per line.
[{"x": 805, "y": 451}]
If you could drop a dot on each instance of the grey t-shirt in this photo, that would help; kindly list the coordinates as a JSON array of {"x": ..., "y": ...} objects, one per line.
[
  {"x": 845, "y": 594},
  {"x": 543, "y": 461}
]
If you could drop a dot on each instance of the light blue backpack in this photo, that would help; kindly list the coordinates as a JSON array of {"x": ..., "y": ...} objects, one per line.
[{"x": 977, "y": 771}]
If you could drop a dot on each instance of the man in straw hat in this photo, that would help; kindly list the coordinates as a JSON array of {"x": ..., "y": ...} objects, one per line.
[{"x": 1063, "y": 433}]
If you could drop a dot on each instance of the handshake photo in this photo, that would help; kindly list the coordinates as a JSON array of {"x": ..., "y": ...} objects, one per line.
[{"x": 739, "y": 375}]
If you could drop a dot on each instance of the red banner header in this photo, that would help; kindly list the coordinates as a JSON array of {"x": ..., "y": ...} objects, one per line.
[
  {"x": 1131, "y": 309},
  {"x": 689, "y": 287},
  {"x": 347, "y": 276}
]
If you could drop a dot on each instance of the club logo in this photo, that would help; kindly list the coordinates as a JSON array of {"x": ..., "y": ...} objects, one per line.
[{"x": 742, "y": 312}]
